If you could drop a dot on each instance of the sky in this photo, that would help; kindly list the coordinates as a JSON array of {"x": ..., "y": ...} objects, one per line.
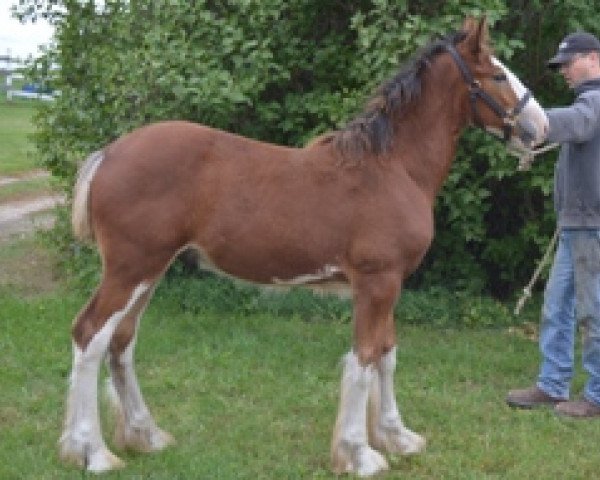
[{"x": 20, "y": 39}]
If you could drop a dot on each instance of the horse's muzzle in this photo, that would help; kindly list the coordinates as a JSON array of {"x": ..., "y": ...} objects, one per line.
[{"x": 527, "y": 133}]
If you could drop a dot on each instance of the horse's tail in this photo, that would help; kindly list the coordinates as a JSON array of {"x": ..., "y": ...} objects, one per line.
[{"x": 80, "y": 215}]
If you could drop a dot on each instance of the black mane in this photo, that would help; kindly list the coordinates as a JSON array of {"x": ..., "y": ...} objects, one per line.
[{"x": 372, "y": 131}]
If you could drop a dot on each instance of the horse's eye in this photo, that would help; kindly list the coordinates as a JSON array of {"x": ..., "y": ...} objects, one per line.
[{"x": 500, "y": 77}]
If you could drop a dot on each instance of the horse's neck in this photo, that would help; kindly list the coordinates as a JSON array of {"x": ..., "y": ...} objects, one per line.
[{"x": 427, "y": 137}]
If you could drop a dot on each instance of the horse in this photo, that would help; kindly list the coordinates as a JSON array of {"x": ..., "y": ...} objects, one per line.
[{"x": 351, "y": 211}]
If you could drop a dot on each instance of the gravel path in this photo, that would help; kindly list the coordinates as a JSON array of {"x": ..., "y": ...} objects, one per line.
[
  {"x": 27, "y": 176},
  {"x": 20, "y": 217}
]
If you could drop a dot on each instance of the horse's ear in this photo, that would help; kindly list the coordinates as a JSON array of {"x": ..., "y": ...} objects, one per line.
[{"x": 477, "y": 34}]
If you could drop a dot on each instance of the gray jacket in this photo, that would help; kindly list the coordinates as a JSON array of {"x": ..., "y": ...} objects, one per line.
[{"x": 577, "y": 172}]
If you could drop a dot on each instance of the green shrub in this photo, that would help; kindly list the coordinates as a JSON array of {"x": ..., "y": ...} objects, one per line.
[
  {"x": 435, "y": 307},
  {"x": 285, "y": 71}
]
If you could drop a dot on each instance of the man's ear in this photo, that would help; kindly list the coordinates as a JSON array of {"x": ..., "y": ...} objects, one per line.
[{"x": 469, "y": 24}]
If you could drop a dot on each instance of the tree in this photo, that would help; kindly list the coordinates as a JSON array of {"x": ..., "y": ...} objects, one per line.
[{"x": 286, "y": 71}]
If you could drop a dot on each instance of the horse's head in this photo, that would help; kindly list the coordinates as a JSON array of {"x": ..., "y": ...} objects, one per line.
[{"x": 500, "y": 103}]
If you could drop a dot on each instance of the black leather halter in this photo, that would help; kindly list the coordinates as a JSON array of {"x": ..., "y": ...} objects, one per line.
[{"x": 509, "y": 117}]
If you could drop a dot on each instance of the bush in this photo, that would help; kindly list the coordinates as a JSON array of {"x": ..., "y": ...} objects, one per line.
[
  {"x": 436, "y": 307},
  {"x": 285, "y": 71}
]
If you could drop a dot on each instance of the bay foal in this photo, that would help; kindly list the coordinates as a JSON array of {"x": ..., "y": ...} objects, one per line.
[{"x": 353, "y": 210}]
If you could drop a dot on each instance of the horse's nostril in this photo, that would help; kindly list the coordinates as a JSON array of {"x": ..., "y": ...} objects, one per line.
[{"x": 527, "y": 132}]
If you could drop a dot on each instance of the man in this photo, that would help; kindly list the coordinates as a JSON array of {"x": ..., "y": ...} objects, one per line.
[{"x": 572, "y": 293}]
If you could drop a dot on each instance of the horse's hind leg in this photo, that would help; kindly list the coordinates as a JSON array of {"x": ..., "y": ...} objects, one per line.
[
  {"x": 81, "y": 441},
  {"x": 135, "y": 428}
]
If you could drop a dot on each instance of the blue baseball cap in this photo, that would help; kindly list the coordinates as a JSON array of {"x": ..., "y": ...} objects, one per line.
[{"x": 578, "y": 42}]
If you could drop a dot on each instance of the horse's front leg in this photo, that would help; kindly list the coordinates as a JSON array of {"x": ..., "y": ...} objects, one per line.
[
  {"x": 374, "y": 298},
  {"x": 350, "y": 451},
  {"x": 386, "y": 429}
]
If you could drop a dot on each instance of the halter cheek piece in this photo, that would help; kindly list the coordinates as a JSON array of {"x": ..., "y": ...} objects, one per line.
[{"x": 509, "y": 117}]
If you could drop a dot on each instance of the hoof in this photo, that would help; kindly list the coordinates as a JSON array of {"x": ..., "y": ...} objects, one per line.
[
  {"x": 360, "y": 460},
  {"x": 143, "y": 440},
  {"x": 99, "y": 460},
  {"x": 103, "y": 460},
  {"x": 398, "y": 439}
]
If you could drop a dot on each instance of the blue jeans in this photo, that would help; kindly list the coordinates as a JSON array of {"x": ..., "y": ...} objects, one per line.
[{"x": 572, "y": 296}]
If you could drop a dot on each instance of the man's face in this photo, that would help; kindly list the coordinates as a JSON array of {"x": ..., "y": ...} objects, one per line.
[{"x": 581, "y": 67}]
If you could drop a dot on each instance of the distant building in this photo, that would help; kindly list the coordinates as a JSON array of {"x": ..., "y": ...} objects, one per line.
[
  {"x": 9, "y": 72},
  {"x": 9, "y": 63},
  {"x": 8, "y": 67}
]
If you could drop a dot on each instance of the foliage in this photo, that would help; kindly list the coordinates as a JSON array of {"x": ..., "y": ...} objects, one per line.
[
  {"x": 437, "y": 307},
  {"x": 286, "y": 71}
]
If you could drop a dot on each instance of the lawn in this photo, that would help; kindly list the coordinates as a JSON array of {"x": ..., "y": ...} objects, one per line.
[
  {"x": 15, "y": 127},
  {"x": 254, "y": 396},
  {"x": 249, "y": 386}
]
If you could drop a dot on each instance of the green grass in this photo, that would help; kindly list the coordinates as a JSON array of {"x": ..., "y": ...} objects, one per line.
[
  {"x": 254, "y": 396},
  {"x": 15, "y": 127},
  {"x": 26, "y": 268}
]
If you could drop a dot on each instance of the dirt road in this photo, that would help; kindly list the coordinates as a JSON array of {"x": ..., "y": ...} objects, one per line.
[{"x": 20, "y": 217}]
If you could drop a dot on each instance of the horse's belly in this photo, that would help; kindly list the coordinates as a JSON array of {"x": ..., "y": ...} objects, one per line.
[{"x": 329, "y": 278}]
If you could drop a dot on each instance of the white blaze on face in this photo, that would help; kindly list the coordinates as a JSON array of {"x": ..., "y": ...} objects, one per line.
[{"x": 532, "y": 113}]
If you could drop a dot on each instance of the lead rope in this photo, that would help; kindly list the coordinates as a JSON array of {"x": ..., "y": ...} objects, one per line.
[
  {"x": 527, "y": 290},
  {"x": 525, "y": 161}
]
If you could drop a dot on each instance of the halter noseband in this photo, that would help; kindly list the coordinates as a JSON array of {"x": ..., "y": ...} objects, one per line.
[{"x": 477, "y": 93}]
